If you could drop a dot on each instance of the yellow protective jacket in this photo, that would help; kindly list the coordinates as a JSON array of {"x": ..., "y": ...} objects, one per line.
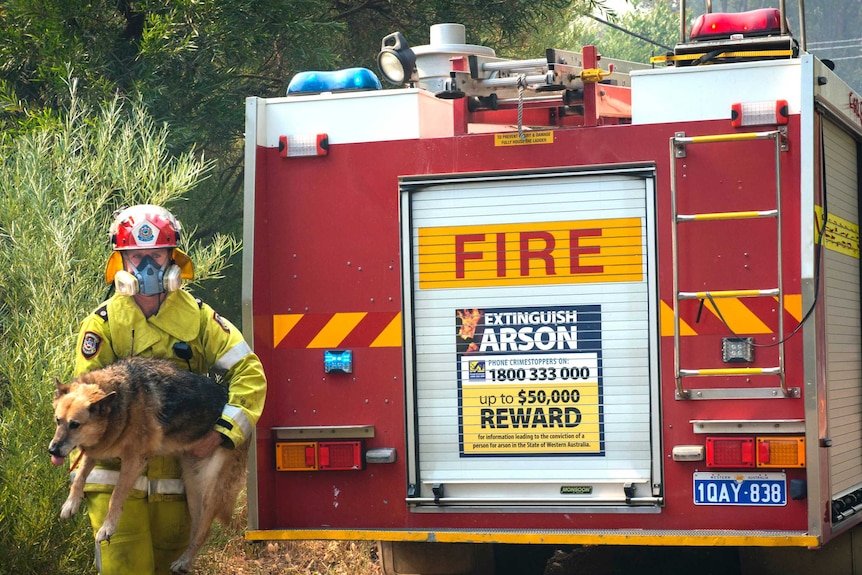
[{"x": 188, "y": 332}]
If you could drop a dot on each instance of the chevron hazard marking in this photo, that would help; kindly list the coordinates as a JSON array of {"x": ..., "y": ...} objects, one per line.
[
  {"x": 337, "y": 329},
  {"x": 391, "y": 335},
  {"x": 281, "y": 326},
  {"x": 666, "y": 322},
  {"x": 330, "y": 330},
  {"x": 740, "y": 318}
]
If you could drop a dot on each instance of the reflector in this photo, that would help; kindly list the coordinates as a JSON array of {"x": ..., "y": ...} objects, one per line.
[
  {"x": 299, "y": 146},
  {"x": 772, "y": 112}
]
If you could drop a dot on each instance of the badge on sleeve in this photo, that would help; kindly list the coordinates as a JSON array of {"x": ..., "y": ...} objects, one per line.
[
  {"x": 91, "y": 344},
  {"x": 218, "y": 319}
]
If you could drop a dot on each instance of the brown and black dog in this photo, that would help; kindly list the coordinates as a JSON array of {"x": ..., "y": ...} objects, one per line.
[{"x": 137, "y": 408}]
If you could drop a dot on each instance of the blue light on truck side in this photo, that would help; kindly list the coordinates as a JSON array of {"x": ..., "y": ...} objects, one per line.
[{"x": 338, "y": 361}]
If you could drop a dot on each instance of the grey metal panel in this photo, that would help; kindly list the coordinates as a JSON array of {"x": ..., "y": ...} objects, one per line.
[
  {"x": 842, "y": 307},
  {"x": 748, "y": 426},
  {"x": 253, "y": 108}
]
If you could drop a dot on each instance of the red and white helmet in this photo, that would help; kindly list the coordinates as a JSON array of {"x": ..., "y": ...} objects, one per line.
[
  {"x": 147, "y": 227},
  {"x": 144, "y": 226}
]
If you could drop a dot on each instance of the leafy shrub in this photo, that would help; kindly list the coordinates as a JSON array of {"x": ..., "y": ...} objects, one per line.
[{"x": 61, "y": 177}]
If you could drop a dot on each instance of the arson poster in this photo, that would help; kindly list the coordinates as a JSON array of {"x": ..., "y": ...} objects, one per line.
[{"x": 530, "y": 381}]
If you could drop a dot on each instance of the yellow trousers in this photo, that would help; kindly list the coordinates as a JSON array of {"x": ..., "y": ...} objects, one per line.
[{"x": 150, "y": 535}]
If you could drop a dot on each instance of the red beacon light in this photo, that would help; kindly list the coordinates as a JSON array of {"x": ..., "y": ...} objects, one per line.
[{"x": 716, "y": 26}]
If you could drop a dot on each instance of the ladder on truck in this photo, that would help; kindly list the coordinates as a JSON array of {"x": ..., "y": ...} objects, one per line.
[{"x": 678, "y": 144}]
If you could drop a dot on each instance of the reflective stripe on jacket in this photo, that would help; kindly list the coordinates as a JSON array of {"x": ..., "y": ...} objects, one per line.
[{"x": 108, "y": 478}]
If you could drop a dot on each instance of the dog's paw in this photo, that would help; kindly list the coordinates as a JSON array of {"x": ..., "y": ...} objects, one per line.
[
  {"x": 104, "y": 534},
  {"x": 70, "y": 507},
  {"x": 181, "y": 565}
]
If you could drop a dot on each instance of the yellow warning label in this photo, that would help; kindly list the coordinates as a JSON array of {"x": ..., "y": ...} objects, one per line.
[
  {"x": 514, "y": 139},
  {"x": 530, "y": 403},
  {"x": 840, "y": 235},
  {"x": 531, "y": 418}
]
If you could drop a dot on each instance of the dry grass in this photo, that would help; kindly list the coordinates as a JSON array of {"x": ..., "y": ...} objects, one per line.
[{"x": 227, "y": 552}]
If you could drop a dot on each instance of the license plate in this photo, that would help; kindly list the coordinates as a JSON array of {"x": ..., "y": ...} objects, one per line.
[{"x": 740, "y": 489}]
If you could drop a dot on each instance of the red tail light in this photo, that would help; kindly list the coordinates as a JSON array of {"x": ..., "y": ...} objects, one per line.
[
  {"x": 730, "y": 452},
  {"x": 340, "y": 455}
]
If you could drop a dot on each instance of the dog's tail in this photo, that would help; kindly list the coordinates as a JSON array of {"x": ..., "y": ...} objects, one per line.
[
  {"x": 218, "y": 479},
  {"x": 234, "y": 472}
]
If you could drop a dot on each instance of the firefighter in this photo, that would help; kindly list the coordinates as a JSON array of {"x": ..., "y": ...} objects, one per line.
[{"x": 150, "y": 315}]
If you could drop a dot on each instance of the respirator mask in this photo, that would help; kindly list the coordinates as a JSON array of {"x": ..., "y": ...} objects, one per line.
[{"x": 148, "y": 278}]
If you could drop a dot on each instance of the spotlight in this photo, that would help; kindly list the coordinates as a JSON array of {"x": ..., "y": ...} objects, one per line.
[{"x": 396, "y": 60}]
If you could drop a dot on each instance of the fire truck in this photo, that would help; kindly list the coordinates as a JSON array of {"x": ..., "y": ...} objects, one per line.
[{"x": 562, "y": 301}]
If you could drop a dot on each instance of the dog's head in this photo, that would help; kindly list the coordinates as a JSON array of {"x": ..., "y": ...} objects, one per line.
[{"x": 80, "y": 411}]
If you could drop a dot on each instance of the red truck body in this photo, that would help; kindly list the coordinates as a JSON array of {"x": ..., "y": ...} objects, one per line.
[{"x": 631, "y": 319}]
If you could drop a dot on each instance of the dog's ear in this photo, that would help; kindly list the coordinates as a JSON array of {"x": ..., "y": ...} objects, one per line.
[
  {"x": 101, "y": 406},
  {"x": 60, "y": 389}
]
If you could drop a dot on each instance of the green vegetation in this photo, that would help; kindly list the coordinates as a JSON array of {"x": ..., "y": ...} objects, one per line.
[
  {"x": 657, "y": 22},
  {"x": 193, "y": 63},
  {"x": 59, "y": 183}
]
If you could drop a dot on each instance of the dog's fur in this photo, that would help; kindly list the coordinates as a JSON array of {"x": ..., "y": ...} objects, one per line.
[{"x": 137, "y": 408}]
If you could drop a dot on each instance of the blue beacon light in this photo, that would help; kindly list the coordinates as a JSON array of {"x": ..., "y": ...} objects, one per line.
[
  {"x": 338, "y": 361},
  {"x": 349, "y": 79}
]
